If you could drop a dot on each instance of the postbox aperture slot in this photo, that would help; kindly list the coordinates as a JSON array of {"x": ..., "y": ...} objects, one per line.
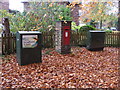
[{"x": 66, "y": 34}]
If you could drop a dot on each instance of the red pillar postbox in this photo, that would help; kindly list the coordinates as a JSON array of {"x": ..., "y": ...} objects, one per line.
[
  {"x": 62, "y": 37},
  {"x": 66, "y": 35}
]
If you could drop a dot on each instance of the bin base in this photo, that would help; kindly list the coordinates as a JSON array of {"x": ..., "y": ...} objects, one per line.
[
  {"x": 95, "y": 49},
  {"x": 63, "y": 52}
]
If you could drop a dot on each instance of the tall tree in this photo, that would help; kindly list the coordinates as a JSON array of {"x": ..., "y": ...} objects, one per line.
[{"x": 99, "y": 12}]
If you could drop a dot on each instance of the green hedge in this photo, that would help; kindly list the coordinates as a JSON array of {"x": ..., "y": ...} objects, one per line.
[{"x": 87, "y": 28}]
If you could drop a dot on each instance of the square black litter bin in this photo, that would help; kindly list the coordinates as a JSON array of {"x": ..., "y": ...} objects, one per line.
[
  {"x": 28, "y": 47},
  {"x": 95, "y": 40}
]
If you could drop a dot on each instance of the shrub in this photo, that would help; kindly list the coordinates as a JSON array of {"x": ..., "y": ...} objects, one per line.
[
  {"x": 87, "y": 28},
  {"x": 109, "y": 31},
  {"x": 75, "y": 27},
  {"x": 63, "y": 13},
  {"x": 41, "y": 17}
]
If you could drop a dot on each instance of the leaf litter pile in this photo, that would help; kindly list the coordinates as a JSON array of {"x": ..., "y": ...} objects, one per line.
[{"x": 80, "y": 69}]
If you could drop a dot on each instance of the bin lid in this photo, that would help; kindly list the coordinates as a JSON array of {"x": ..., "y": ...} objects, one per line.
[
  {"x": 29, "y": 32},
  {"x": 95, "y": 31}
]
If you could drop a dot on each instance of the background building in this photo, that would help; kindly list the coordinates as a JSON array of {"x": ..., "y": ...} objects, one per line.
[{"x": 4, "y": 4}]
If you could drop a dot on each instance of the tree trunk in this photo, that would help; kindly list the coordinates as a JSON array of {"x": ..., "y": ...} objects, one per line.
[
  {"x": 6, "y": 34},
  {"x": 101, "y": 24}
]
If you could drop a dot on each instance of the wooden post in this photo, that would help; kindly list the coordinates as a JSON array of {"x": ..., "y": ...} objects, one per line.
[
  {"x": 6, "y": 31},
  {"x": 6, "y": 25}
]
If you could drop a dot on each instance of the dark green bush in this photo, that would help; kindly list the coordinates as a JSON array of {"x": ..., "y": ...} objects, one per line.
[{"x": 87, "y": 28}]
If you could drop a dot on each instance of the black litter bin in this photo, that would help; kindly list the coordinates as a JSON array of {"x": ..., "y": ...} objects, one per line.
[
  {"x": 28, "y": 47},
  {"x": 95, "y": 40}
]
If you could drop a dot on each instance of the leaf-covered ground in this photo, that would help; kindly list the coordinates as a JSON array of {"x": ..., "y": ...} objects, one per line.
[{"x": 80, "y": 69}]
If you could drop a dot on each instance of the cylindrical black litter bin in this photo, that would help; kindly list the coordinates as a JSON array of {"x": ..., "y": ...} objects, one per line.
[
  {"x": 95, "y": 40},
  {"x": 28, "y": 47}
]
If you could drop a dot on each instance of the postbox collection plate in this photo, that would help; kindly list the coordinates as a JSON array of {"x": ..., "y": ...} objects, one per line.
[{"x": 29, "y": 41}]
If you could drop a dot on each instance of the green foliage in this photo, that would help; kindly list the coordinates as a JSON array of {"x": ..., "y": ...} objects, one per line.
[
  {"x": 87, "y": 28},
  {"x": 108, "y": 31},
  {"x": 64, "y": 13},
  {"x": 99, "y": 11},
  {"x": 74, "y": 26},
  {"x": 40, "y": 17},
  {"x": 4, "y": 13},
  {"x": 92, "y": 23}
]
